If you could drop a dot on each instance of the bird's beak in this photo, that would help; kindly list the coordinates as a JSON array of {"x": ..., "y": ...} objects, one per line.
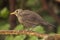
[{"x": 13, "y": 13}]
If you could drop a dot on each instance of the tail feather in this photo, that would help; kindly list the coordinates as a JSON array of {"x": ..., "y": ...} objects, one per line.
[{"x": 48, "y": 27}]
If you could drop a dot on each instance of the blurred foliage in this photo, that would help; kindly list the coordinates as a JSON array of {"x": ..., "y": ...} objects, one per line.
[
  {"x": 5, "y": 26},
  {"x": 1, "y": 1},
  {"x": 34, "y": 5},
  {"x": 4, "y": 13},
  {"x": 9, "y": 37},
  {"x": 58, "y": 29},
  {"x": 49, "y": 19},
  {"x": 19, "y": 27},
  {"x": 22, "y": 37}
]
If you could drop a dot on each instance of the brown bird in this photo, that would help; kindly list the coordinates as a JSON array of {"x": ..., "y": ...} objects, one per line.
[{"x": 31, "y": 19}]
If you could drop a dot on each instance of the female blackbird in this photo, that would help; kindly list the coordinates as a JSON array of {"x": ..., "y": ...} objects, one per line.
[{"x": 31, "y": 19}]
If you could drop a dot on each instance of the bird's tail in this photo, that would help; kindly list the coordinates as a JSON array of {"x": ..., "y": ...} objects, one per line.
[{"x": 48, "y": 27}]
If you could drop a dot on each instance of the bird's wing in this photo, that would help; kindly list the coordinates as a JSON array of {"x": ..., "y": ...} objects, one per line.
[{"x": 34, "y": 18}]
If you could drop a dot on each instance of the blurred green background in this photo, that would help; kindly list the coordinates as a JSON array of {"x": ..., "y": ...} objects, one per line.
[{"x": 33, "y": 5}]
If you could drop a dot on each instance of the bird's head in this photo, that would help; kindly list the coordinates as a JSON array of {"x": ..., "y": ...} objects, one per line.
[{"x": 17, "y": 12}]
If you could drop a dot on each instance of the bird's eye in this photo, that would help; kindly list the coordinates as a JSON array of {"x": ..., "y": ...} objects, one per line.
[{"x": 17, "y": 11}]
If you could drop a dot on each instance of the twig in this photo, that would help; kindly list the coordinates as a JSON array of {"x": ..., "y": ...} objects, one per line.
[
  {"x": 24, "y": 32},
  {"x": 17, "y": 32}
]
